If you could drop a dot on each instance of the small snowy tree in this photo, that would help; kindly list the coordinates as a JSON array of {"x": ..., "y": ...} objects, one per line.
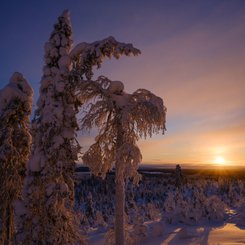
[
  {"x": 169, "y": 206},
  {"x": 178, "y": 176},
  {"x": 122, "y": 119},
  {"x": 15, "y": 141},
  {"x": 49, "y": 186}
]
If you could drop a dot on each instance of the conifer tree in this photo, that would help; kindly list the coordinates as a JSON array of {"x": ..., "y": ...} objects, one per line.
[
  {"x": 15, "y": 141},
  {"x": 47, "y": 213},
  {"x": 178, "y": 176},
  {"x": 122, "y": 119}
]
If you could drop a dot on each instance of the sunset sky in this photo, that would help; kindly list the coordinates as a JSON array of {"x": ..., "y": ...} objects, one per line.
[{"x": 193, "y": 56}]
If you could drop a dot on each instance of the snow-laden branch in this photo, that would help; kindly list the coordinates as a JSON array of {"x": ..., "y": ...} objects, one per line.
[{"x": 87, "y": 55}]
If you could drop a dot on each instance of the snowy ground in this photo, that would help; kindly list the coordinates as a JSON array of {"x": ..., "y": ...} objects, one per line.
[
  {"x": 228, "y": 234},
  {"x": 231, "y": 232},
  {"x": 205, "y": 210}
]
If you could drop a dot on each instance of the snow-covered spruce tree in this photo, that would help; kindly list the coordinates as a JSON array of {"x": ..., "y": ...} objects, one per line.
[
  {"x": 122, "y": 119},
  {"x": 15, "y": 141},
  {"x": 47, "y": 215}
]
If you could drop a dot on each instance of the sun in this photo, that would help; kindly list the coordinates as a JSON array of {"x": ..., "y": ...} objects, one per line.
[{"x": 219, "y": 160}]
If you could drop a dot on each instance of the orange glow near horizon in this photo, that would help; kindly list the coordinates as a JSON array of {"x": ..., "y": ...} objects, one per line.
[
  {"x": 220, "y": 160},
  {"x": 163, "y": 150}
]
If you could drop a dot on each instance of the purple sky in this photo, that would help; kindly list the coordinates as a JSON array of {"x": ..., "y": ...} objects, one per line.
[{"x": 193, "y": 56}]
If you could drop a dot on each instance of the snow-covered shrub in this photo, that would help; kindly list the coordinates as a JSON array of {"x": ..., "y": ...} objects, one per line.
[
  {"x": 193, "y": 206},
  {"x": 89, "y": 208},
  {"x": 176, "y": 208},
  {"x": 235, "y": 194},
  {"x": 215, "y": 209},
  {"x": 169, "y": 206},
  {"x": 15, "y": 141},
  {"x": 49, "y": 186},
  {"x": 139, "y": 229},
  {"x": 153, "y": 212},
  {"x": 110, "y": 237},
  {"x": 100, "y": 221}
]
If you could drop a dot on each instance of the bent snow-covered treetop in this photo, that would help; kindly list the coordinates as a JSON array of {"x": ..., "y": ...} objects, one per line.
[{"x": 86, "y": 55}]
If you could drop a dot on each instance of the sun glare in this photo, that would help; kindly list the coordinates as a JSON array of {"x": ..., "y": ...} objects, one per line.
[{"x": 219, "y": 160}]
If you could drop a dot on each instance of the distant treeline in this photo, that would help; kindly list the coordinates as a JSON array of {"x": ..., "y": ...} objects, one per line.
[{"x": 153, "y": 171}]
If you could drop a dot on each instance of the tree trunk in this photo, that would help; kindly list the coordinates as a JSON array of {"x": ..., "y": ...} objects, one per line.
[
  {"x": 6, "y": 231},
  {"x": 3, "y": 229},
  {"x": 120, "y": 203},
  {"x": 120, "y": 192},
  {"x": 9, "y": 226}
]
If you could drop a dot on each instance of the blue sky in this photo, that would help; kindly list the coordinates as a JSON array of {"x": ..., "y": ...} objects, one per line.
[{"x": 193, "y": 56}]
